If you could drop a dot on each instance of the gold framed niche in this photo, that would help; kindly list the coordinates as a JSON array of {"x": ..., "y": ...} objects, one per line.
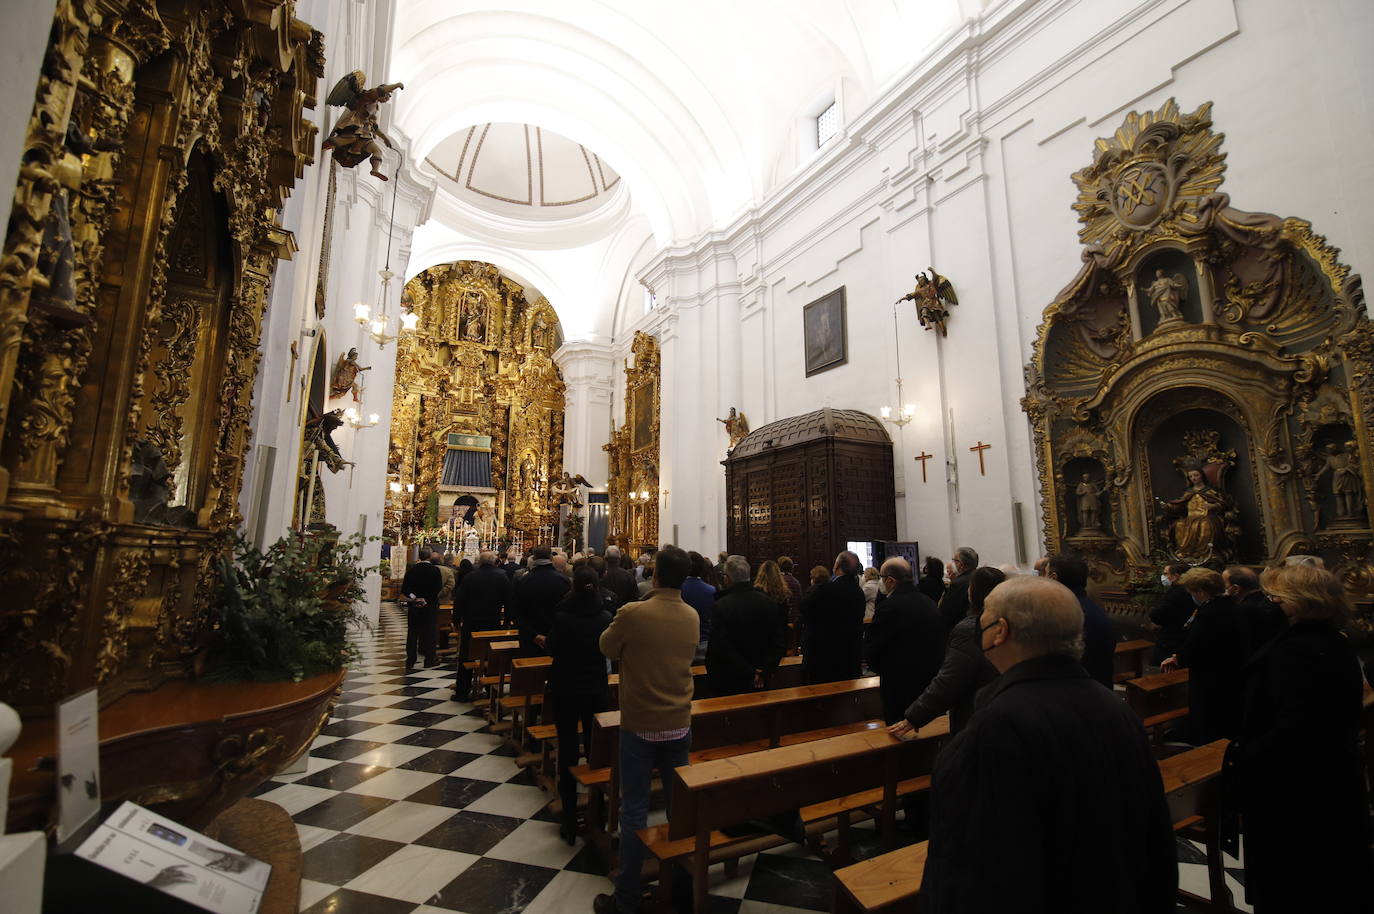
[
  {"x": 633, "y": 487},
  {"x": 1187, "y": 307}
]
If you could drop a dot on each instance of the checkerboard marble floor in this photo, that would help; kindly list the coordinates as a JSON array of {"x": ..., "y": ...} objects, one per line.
[{"x": 410, "y": 806}]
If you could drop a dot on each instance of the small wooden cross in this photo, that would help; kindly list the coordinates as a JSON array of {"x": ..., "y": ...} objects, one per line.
[
  {"x": 980, "y": 447},
  {"x": 295, "y": 354},
  {"x": 922, "y": 458}
]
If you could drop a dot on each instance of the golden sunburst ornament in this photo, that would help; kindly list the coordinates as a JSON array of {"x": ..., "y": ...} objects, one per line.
[{"x": 1153, "y": 170}]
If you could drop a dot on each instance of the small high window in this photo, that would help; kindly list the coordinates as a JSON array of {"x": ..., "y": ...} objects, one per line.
[{"x": 827, "y": 124}]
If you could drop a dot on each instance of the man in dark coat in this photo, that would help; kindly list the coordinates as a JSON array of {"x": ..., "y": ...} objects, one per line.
[
  {"x": 1171, "y": 613},
  {"x": 1214, "y": 651},
  {"x": 833, "y": 616},
  {"x": 905, "y": 643},
  {"x": 477, "y": 607},
  {"x": 420, "y": 588},
  {"x": 617, "y": 580},
  {"x": 748, "y": 635},
  {"x": 1099, "y": 639},
  {"x": 533, "y": 597},
  {"x": 954, "y": 604},
  {"x": 1263, "y": 618},
  {"x": 1050, "y": 757},
  {"x": 511, "y": 566}
]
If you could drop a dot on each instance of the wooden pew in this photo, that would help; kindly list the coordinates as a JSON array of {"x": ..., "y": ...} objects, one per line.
[
  {"x": 788, "y": 674},
  {"x": 717, "y": 724},
  {"x": 499, "y": 657},
  {"x": 1160, "y": 698},
  {"x": 891, "y": 882},
  {"x": 1193, "y": 793},
  {"x": 528, "y": 678},
  {"x": 1129, "y": 660},
  {"x": 710, "y": 796}
]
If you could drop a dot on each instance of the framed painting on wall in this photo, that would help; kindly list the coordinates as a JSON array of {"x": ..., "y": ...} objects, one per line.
[
  {"x": 643, "y": 403},
  {"x": 823, "y": 331}
]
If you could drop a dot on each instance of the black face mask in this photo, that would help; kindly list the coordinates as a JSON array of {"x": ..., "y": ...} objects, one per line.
[{"x": 980, "y": 637}]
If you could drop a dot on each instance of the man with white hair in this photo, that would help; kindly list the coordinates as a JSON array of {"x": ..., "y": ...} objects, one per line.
[
  {"x": 748, "y": 634},
  {"x": 1050, "y": 757},
  {"x": 619, "y": 581}
]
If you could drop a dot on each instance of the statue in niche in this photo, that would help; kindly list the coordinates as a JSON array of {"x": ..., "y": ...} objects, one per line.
[
  {"x": 472, "y": 316},
  {"x": 932, "y": 296},
  {"x": 1196, "y": 524},
  {"x": 736, "y": 426},
  {"x": 527, "y": 475},
  {"x": 1089, "y": 504},
  {"x": 355, "y": 136},
  {"x": 346, "y": 376},
  {"x": 1166, "y": 296},
  {"x": 1343, "y": 463},
  {"x": 150, "y": 489},
  {"x": 539, "y": 336}
]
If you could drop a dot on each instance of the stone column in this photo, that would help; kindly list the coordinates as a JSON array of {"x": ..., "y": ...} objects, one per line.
[{"x": 588, "y": 371}]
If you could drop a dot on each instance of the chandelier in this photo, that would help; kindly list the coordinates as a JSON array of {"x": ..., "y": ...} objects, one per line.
[
  {"x": 904, "y": 412},
  {"x": 377, "y": 325}
]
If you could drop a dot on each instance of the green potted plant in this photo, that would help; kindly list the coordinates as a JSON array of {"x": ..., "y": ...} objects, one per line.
[{"x": 286, "y": 613}]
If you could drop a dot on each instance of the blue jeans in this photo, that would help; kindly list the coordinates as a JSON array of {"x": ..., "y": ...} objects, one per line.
[{"x": 638, "y": 759}]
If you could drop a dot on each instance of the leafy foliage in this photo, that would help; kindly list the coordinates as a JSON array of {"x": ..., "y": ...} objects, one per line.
[
  {"x": 432, "y": 509},
  {"x": 286, "y": 613}
]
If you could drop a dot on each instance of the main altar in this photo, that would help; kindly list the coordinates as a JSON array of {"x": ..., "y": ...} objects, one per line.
[{"x": 476, "y": 447}]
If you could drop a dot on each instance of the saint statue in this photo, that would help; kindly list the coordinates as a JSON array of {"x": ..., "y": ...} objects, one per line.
[
  {"x": 355, "y": 136},
  {"x": 1195, "y": 524},
  {"x": 565, "y": 491},
  {"x": 736, "y": 426},
  {"x": 539, "y": 337},
  {"x": 1165, "y": 295},
  {"x": 1089, "y": 504},
  {"x": 932, "y": 296},
  {"x": 346, "y": 376},
  {"x": 319, "y": 440},
  {"x": 1343, "y": 463}
]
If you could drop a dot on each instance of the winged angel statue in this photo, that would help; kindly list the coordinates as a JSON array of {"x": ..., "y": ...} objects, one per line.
[
  {"x": 355, "y": 136},
  {"x": 932, "y": 295}
]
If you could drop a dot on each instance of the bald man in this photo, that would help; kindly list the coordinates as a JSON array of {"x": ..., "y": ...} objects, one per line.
[
  {"x": 1050, "y": 757},
  {"x": 905, "y": 643}
]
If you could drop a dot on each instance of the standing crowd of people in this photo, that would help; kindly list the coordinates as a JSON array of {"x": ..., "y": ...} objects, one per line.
[{"x": 1048, "y": 793}]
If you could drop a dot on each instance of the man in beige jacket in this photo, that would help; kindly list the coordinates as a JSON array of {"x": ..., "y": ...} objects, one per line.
[{"x": 655, "y": 641}]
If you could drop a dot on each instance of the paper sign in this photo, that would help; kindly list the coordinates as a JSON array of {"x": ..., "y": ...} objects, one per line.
[
  {"x": 171, "y": 858},
  {"x": 78, "y": 762}
]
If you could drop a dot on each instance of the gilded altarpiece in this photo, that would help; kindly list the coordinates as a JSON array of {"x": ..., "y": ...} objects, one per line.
[
  {"x": 163, "y": 142},
  {"x": 634, "y": 453},
  {"x": 1203, "y": 389},
  {"x": 480, "y": 363}
]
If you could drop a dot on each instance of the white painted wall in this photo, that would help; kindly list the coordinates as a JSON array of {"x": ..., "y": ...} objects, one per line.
[
  {"x": 964, "y": 163},
  {"x": 354, "y": 498},
  {"x": 27, "y": 23}
]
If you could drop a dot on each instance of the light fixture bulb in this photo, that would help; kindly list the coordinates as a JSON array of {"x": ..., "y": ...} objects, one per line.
[
  {"x": 379, "y": 325},
  {"x": 409, "y": 320},
  {"x": 362, "y": 313},
  {"x": 909, "y": 410},
  {"x": 373, "y": 418},
  {"x": 886, "y": 411},
  {"x": 395, "y": 486},
  {"x": 410, "y": 487},
  {"x": 644, "y": 495},
  {"x": 351, "y": 414}
]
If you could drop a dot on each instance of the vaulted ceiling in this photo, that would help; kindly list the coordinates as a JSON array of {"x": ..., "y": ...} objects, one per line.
[{"x": 693, "y": 104}]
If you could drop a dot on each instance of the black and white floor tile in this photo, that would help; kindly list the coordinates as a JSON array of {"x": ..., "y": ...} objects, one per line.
[{"x": 408, "y": 805}]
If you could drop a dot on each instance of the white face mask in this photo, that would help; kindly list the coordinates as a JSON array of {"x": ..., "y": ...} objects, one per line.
[{"x": 1164, "y": 579}]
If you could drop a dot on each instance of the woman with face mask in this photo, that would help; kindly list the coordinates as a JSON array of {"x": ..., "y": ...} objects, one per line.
[{"x": 1214, "y": 649}]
